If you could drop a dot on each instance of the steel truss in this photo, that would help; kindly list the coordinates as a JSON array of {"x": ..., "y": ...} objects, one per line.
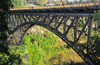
[{"x": 59, "y": 23}]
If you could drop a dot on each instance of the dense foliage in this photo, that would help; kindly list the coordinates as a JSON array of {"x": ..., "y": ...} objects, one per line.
[
  {"x": 28, "y": 3},
  {"x": 5, "y": 57},
  {"x": 25, "y": 3},
  {"x": 5, "y": 4},
  {"x": 19, "y": 3},
  {"x": 95, "y": 53},
  {"x": 41, "y": 2},
  {"x": 41, "y": 47}
]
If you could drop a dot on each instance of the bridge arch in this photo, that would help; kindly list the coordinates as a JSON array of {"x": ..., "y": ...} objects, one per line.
[
  {"x": 20, "y": 23},
  {"x": 59, "y": 34},
  {"x": 32, "y": 24}
]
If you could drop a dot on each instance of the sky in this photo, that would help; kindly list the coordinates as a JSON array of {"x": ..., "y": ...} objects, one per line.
[
  {"x": 68, "y": 0},
  {"x": 72, "y": 0},
  {"x": 77, "y": 0}
]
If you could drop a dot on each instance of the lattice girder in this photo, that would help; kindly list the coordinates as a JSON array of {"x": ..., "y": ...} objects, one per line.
[{"x": 62, "y": 24}]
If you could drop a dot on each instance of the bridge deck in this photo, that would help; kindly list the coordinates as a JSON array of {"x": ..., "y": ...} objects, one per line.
[
  {"x": 63, "y": 6},
  {"x": 75, "y": 8}
]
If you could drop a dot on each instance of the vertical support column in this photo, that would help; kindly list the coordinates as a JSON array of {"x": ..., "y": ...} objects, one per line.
[
  {"x": 83, "y": 18},
  {"x": 64, "y": 24},
  {"x": 65, "y": 21},
  {"x": 75, "y": 30},
  {"x": 9, "y": 21},
  {"x": 48, "y": 18},
  {"x": 55, "y": 20},
  {"x": 23, "y": 18},
  {"x": 96, "y": 25},
  {"x": 20, "y": 17},
  {"x": 13, "y": 21},
  {"x": 89, "y": 33},
  {"x": 16, "y": 20}
]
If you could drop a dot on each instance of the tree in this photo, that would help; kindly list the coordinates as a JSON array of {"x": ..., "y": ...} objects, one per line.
[
  {"x": 19, "y": 3},
  {"x": 41, "y": 2},
  {"x": 75, "y": 1},
  {"x": 97, "y": 16},
  {"x": 57, "y": 2},
  {"x": 5, "y": 57},
  {"x": 65, "y": 1},
  {"x": 34, "y": 1},
  {"x": 16, "y": 3},
  {"x": 93, "y": 0},
  {"x": 5, "y": 4},
  {"x": 95, "y": 46},
  {"x": 80, "y": 1}
]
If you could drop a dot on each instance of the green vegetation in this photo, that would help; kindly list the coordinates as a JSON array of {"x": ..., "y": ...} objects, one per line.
[
  {"x": 95, "y": 53},
  {"x": 21, "y": 52},
  {"x": 5, "y": 57},
  {"x": 58, "y": 2},
  {"x": 41, "y": 49},
  {"x": 44, "y": 49},
  {"x": 29, "y": 3},
  {"x": 41, "y": 2},
  {"x": 26, "y": 3},
  {"x": 19, "y": 3}
]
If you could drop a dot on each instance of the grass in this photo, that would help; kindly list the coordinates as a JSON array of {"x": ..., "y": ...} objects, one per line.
[{"x": 44, "y": 49}]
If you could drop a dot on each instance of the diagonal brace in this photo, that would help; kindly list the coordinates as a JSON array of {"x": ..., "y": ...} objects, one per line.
[
  {"x": 82, "y": 30},
  {"x": 60, "y": 23},
  {"x": 65, "y": 21},
  {"x": 69, "y": 26}
]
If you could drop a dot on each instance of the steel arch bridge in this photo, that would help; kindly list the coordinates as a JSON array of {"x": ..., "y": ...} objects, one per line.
[{"x": 59, "y": 21}]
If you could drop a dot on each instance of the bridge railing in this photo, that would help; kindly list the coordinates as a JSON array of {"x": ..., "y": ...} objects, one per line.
[{"x": 63, "y": 6}]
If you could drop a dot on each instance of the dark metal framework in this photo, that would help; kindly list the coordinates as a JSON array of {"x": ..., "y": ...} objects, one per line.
[{"x": 58, "y": 23}]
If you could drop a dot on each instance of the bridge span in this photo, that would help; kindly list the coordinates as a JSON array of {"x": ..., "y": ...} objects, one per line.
[
  {"x": 58, "y": 20},
  {"x": 92, "y": 5}
]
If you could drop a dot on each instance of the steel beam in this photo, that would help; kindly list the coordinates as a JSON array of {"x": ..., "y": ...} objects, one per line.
[
  {"x": 89, "y": 34},
  {"x": 55, "y": 20},
  {"x": 69, "y": 14},
  {"x": 75, "y": 30},
  {"x": 70, "y": 26},
  {"x": 65, "y": 21},
  {"x": 82, "y": 30},
  {"x": 60, "y": 23},
  {"x": 40, "y": 19}
]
